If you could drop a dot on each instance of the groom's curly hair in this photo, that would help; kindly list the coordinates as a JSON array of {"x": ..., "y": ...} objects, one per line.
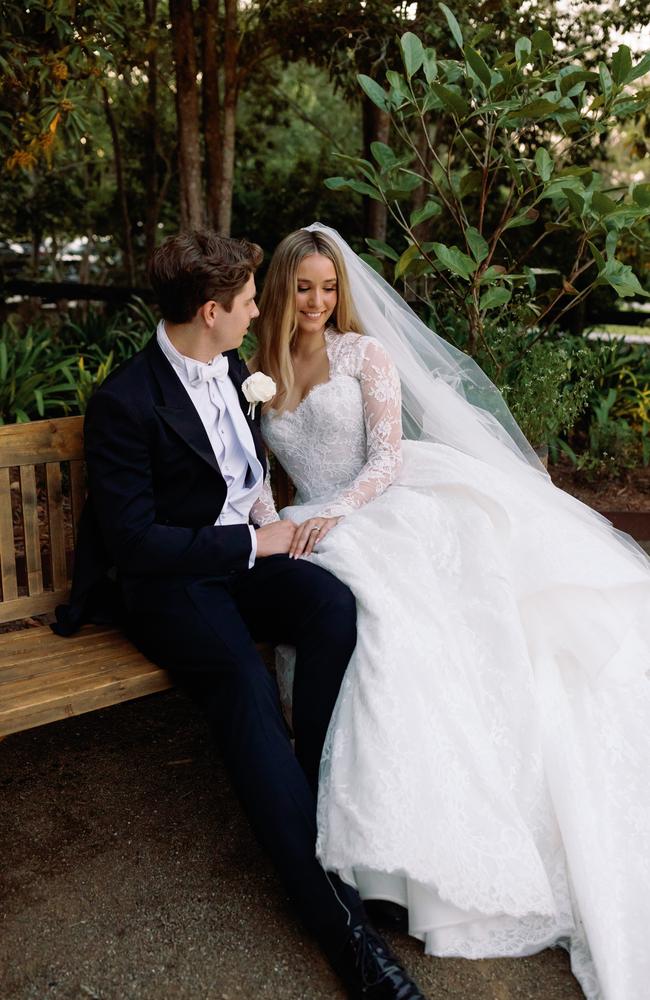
[{"x": 200, "y": 266}]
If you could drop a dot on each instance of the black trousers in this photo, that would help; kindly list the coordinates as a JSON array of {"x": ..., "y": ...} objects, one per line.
[{"x": 205, "y": 630}]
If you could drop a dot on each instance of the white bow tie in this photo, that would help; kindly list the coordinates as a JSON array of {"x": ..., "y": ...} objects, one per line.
[{"x": 217, "y": 369}]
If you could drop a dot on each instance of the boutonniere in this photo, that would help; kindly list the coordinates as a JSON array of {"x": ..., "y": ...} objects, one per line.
[{"x": 257, "y": 388}]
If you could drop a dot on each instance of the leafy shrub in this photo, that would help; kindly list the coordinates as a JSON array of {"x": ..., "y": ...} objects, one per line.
[
  {"x": 508, "y": 130},
  {"x": 52, "y": 370},
  {"x": 34, "y": 372}
]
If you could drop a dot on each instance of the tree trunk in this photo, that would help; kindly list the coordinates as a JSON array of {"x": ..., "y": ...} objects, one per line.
[
  {"x": 376, "y": 128},
  {"x": 231, "y": 42},
  {"x": 211, "y": 109},
  {"x": 187, "y": 114},
  {"x": 127, "y": 244},
  {"x": 151, "y": 130}
]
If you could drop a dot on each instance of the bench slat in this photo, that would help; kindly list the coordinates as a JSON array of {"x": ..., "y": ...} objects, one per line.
[
  {"x": 91, "y": 671},
  {"x": 7, "y": 549},
  {"x": 47, "y": 659},
  {"x": 30, "y": 526},
  {"x": 132, "y": 683},
  {"x": 35, "y": 638},
  {"x": 41, "y": 441},
  {"x": 25, "y": 607},
  {"x": 78, "y": 492},
  {"x": 57, "y": 526}
]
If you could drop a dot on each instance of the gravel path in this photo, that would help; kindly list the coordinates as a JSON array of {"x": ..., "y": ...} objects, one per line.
[{"x": 129, "y": 873}]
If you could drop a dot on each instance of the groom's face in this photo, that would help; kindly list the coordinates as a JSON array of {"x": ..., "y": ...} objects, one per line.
[{"x": 230, "y": 327}]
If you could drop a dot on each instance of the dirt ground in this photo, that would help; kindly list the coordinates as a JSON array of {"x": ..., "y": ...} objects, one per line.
[
  {"x": 631, "y": 492},
  {"x": 129, "y": 873}
]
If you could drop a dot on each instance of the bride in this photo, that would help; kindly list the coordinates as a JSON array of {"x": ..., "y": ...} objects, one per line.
[{"x": 487, "y": 761}]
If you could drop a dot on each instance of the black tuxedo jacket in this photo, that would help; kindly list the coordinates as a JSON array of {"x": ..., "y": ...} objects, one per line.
[{"x": 154, "y": 488}]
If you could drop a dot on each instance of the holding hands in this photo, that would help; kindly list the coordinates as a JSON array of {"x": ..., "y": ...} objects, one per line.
[
  {"x": 295, "y": 540},
  {"x": 308, "y": 533}
]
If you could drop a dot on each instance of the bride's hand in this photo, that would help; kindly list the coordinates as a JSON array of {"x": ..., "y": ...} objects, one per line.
[{"x": 308, "y": 533}]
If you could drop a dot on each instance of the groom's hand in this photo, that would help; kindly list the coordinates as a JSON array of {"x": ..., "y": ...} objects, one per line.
[{"x": 275, "y": 539}]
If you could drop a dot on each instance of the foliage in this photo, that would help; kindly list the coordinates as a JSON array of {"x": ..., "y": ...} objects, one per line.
[
  {"x": 614, "y": 434},
  {"x": 53, "y": 56},
  {"x": 291, "y": 124},
  {"x": 485, "y": 184},
  {"x": 548, "y": 383},
  {"x": 612, "y": 445},
  {"x": 33, "y": 374},
  {"x": 46, "y": 371}
]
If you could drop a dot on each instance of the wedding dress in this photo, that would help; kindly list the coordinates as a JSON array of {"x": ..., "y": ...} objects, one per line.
[{"x": 488, "y": 758}]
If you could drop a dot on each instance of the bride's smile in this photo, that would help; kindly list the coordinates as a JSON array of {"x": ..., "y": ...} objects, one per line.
[{"x": 316, "y": 294}]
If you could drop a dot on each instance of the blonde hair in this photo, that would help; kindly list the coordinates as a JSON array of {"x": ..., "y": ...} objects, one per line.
[{"x": 276, "y": 327}]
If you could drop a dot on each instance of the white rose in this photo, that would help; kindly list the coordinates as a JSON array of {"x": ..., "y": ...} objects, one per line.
[{"x": 258, "y": 388}]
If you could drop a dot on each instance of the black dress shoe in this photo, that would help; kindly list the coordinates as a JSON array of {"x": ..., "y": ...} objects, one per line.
[
  {"x": 370, "y": 970},
  {"x": 387, "y": 914}
]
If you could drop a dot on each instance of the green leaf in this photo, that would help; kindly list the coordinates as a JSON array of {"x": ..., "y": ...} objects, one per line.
[
  {"x": 453, "y": 24},
  {"x": 621, "y": 64},
  {"x": 383, "y": 154},
  {"x": 606, "y": 83},
  {"x": 398, "y": 85},
  {"x": 494, "y": 297},
  {"x": 404, "y": 183},
  {"x": 427, "y": 211},
  {"x": 641, "y": 195},
  {"x": 454, "y": 260},
  {"x": 470, "y": 182},
  {"x": 383, "y": 248},
  {"x": 541, "y": 108},
  {"x": 430, "y": 65},
  {"x": 623, "y": 279},
  {"x": 542, "y": 42},
  {"x": 611, "y": 242},
  {"x": 372, "y": 89},
  {"x": 602, "y": 204},
  {"x": 372, "y": 262},
  {"x": 337, "y": 183},
  {"x": 570, "y": 80},
  {"x": 492, "y": 273},
  {"x": 479, "y": 66},
  {"x": 523, "y": 219},
  {"x": 640, "y": 69},
  {"x": 522, "y": 50},
  {"x": 597, "y": 255},
  {"x": 514, "y": 170},
  {"x": 403, "y": 263},
  {"x": 575, "y": 201},
  {"x": 451, "y": 100},
  {"x": 544, "y": 164},
  {"x": 412, "y": 53},
  {"x": 477, "y": 244}
]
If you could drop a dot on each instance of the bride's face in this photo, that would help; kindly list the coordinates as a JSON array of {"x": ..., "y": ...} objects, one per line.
[{"x": 316, "y": 293}]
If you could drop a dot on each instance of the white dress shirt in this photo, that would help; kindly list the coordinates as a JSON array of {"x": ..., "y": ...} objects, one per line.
[{"x": 216, "y": 401}]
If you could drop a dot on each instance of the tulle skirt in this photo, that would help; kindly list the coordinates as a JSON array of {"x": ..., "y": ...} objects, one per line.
[{"x": 488, "y": 758}]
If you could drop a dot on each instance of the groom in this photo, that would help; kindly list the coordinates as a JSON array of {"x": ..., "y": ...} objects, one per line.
[{"x": 175, "y": 467}]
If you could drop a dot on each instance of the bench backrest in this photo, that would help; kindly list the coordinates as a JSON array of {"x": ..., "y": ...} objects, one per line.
[{"x": 42, "y": 489}]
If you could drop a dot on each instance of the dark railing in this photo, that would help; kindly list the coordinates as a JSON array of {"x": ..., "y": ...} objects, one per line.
[{"x": 54, "y": 291}]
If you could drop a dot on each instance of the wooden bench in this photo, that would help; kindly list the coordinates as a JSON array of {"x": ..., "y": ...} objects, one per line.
[{"x": 44, "y": 677}]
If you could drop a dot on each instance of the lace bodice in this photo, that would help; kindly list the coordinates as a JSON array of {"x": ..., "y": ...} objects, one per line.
[{"x": 341, "y": 446}]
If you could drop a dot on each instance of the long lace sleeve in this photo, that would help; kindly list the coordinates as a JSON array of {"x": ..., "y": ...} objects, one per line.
[
  {"x": 382, "y": 413},
  {"x": 263, "y": 510}
]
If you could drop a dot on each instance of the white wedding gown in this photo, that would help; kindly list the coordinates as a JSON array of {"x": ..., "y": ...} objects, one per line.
[{"x": 488, "y": 760}]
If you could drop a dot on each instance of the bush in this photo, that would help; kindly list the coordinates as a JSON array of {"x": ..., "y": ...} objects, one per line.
[{"x": 52, "y": 369}]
